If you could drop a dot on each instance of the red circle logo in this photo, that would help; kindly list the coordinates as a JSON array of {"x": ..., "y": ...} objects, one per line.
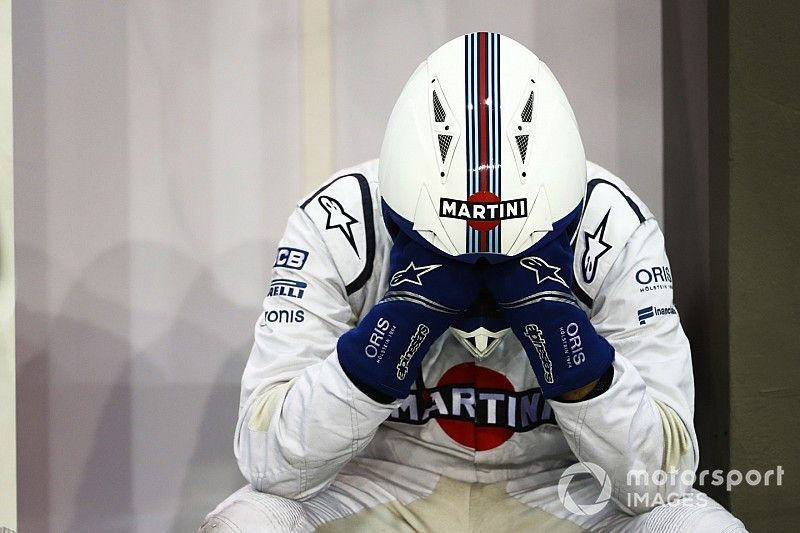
[
  {"x": 465, "y": 432},
  {"x": 483, "y": 197}
]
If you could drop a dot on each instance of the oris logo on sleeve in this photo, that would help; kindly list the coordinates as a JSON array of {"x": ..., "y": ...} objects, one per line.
[
  {"x": 654, "y": 278},
  {"x": 282, "y": 316}
]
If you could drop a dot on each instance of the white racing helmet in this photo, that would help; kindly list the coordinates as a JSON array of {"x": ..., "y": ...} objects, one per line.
[{"x": 482, "y": 157}]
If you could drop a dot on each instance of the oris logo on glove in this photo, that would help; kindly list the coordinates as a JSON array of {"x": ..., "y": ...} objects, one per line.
[
  {"x": 416, "y": 341},
  {"x": 379, "y": 339},
  {"x": 572, "y": 344}
]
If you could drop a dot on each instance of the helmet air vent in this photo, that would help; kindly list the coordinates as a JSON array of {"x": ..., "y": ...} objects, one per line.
[
  {"x": 522, "y": 145},
  {"x": 444, "y": 128},
  {"x": 521, "y": 130},
  {"x": 438, "y": 111},
  {"x": 444, "y": 144},
  {"x": 527, "y": 111}
]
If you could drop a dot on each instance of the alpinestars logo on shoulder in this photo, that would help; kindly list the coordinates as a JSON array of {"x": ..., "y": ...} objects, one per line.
[
  {"x": 594, "y": 248},
  {"x": 339, "y": 219}
]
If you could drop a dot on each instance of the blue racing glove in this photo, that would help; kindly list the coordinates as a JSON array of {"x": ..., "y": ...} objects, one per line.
[
  {"x": 427, "y": 292},
  {"x": 534, "y": 293}
]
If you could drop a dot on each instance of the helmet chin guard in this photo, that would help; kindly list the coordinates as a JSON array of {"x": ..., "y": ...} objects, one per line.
[
  {"x": 480, "y": 342},
  {"x": 482, "y": 157},
  {"x": 481, "y": 328}
]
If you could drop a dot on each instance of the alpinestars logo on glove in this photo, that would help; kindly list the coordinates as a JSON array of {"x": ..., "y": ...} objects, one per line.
[
  {"x": 543, "y": 270},
  {"x": 411, "y": 274},
  {"x": 534, "y": 334},
  {"x": 416, "y": 341}
]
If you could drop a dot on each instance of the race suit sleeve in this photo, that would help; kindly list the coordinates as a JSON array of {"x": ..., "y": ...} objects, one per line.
[
  {"x": 643, "y": 422},
  {"x": 300, "y": 418}
]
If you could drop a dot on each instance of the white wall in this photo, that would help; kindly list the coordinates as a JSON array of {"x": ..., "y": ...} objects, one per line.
[
  {"x": 158, "y": 153},
  {"x": 8, "y": 448}
]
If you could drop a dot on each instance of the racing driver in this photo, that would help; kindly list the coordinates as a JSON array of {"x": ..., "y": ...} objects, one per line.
[{"x": 474, "y": 332}]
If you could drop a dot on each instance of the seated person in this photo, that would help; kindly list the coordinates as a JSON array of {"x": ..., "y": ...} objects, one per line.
[{"x": 456, "y": 329}]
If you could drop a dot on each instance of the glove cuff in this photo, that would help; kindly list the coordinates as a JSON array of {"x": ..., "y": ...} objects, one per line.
[
  {"x": 565, "y": 350},
  {"x": 383, "y": 354},
  {"x": 602, "y": 385},
  {"x": 599, "y": 358},
  {"x": 370, "y": 391}
]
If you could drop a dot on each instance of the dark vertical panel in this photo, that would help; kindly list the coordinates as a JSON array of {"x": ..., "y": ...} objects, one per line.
[
  {"x": 718, "y": 367},
  {"x": 739, "y": 303},
  {"x": 692, "y": 48},
  {"x": 764, "y": 224}
]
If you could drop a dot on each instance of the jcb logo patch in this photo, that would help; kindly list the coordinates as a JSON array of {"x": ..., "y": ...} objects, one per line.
[{"x": 291, "y": 258}]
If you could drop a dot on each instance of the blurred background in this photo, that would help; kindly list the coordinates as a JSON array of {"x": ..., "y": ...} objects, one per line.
[
  {"x": 159, "y": 149},
  {"x": 160, "y": 146}
]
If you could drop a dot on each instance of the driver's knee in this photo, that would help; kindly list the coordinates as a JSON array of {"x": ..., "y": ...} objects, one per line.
[
  {"x": 694, "y": 512},
  {"x": 250, "y": 511}
]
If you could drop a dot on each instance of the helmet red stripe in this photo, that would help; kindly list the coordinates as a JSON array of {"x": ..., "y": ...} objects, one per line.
[{"x": 483, "y": 123}]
